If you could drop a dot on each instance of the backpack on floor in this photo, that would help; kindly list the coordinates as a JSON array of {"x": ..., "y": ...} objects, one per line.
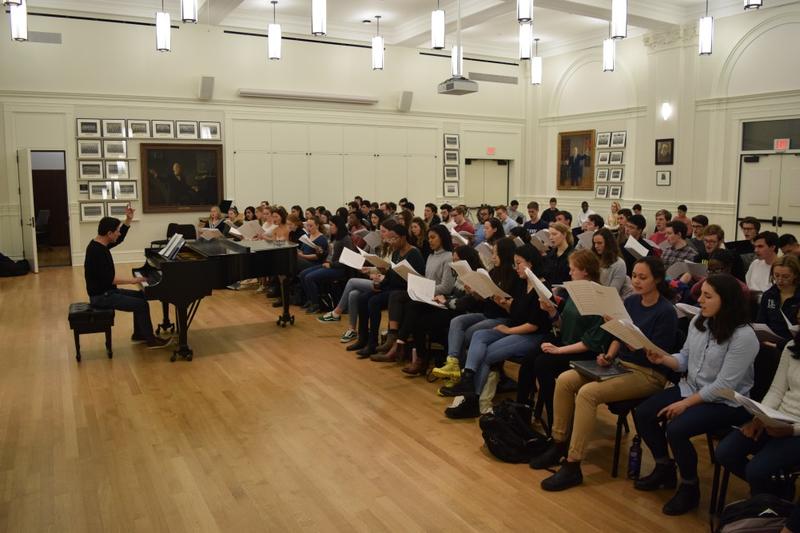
[
  {"x": 508, "y": 434},
  {"x": 9, "y": 267},
  {"x": 763, "y": 513}
]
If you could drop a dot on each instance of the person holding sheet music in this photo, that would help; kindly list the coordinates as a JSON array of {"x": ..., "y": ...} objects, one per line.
[
  {"x": 781, "y": 302},
  {"x": 493, "y": 230},
  {"x": 577, "y": 397},
  {"x": 612, "y": 266},
  {"x": 555, "y": 268},
  {"x": 402, "y": 308},
  {"x": 535, "y": 223},
  {"x": 720, "y": 262},
  {"x": 314, "y": 247},
  {"x": 698, "y": 225},
  {"x": 679, "y": 248},
  {"x": 372, "y": 302},
  {"x": 357, "y": 230},
  {"x": 773, "y": 448},
  {"x": 635, "y": 229},
  {"x": 718, "y": 354},
  {"x": 580, "y": 338},
  {"x": 418, "y": 236},
  {"x": 330, "y": 270},
  {"x": 525, "y": 329},
  {"x": 280, "y": 221},
  {"x": 766, "y": 248},
  {"x": 215, "y": 221}
]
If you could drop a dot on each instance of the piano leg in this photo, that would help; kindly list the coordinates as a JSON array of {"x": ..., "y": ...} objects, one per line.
[
  {"x": 183, "y": 349},
  {"x": 285, "y": 318},
  {"x": 165, "y": 325}
]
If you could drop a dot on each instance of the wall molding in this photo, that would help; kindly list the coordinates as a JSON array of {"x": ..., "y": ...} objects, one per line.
[
  {"x": 612, "y": 114},
  {"x": 724, "y": 103}
]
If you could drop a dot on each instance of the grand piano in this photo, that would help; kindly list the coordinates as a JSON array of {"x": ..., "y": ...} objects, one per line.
[{"x": 202, "y": 266}]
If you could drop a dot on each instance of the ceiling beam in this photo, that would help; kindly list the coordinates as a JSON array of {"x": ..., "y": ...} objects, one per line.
[
  {"x": 219, "y": 10},
  {"x": 414, "y": 34}
]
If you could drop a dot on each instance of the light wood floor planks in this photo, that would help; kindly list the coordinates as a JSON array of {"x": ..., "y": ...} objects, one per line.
[{"x": 268, "y": 429}]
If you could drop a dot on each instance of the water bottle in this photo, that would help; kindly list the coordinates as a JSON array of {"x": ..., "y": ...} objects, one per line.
[{"x": 635, "y": 458}]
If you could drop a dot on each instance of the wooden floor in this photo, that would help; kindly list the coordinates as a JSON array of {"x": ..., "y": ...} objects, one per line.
[{"x": 268, "y": 429}]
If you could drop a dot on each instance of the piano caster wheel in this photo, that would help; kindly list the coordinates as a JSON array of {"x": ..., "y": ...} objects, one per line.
[
  {"x": 189, "y": 357},
  {"x": 173, "y": 357},
  {"x": 110, "y": 355},
  {"x": 291, "y": 320}
]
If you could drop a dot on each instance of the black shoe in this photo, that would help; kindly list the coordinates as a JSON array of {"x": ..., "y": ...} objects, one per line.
[
  {"x": 137, "y": 339},
  {"x": 365, "y": 352},
  {"x": 356, "y": 346},
  {"x": 569, "y": 475},
  {"x": 663, "y": 476},
  {"x": 685, "y": 499},
  {"x": 466, "y": 386},
  {"x": 312, "y": 309},
  {"x": 469, "y": 408},
  {"x": 306, "y": 304},
  {"x": 551, "y": 456},
  {"x": 277, "y": 303}
]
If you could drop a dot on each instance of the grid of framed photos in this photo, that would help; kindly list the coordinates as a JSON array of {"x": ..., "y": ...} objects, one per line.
[
  {"x": 452, "y": 165},
  {"x": 610, "y": 173}
]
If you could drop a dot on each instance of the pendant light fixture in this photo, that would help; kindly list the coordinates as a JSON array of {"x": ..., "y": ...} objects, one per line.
[
  {"x": 19, "y": 21},
  {"x": 12, "y": 2},
  {"x": 619, "y": 19},
  {"x": 319, "y": 15},
  {"x": 525, "y": 39},
  {"x": 609, "y": 54},
  {"x": 189, "y": 11},
  {"x": 753, "y": 4},
  {"x": 437, "y": 28},
  {"x": 706, "y": 31},
  {"x": 377, "y": 47},
  {"x": 457, "y": 54},
  {"x": 162, "y": 30},
  {"x": 274, "y": 35},
  {"x": 536, "y": 65},
  {"x": 524, "y": 10}
]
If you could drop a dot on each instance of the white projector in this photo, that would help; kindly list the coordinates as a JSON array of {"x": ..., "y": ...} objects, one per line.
[{"x": 458, "y": 86}]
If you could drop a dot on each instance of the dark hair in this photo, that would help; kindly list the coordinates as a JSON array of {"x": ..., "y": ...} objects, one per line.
[
  {"x": 700, "y": 219},
  {"x": 751, "y": 220},
  {"x": 407, "y": 217},
  {"x": 378, "y": 213},
  {"x": 683, "y": 208},
  {"x": 664, "y": 213},
  {"x": 627, "y": 213},
  {"x": 399, "y": 230},
  {"x": 610, "y": 249},
  {"x": 444, "y": 235},
  {"x": 529, "y": 254},
  {"x": 497, "y": 226},
  {"x": 403, "y": 201},
  {"x": 298, "y": 208},
  {"x": 522, "y": 233},
  {"x": 341, "y": 228},
  {"x": 659, "y": 273},
  {"x": 252, "y": 211},
  {"x": 533, "y": 205},
  {"x": 678, "y": 227},
  {"x": 392, "y": 206},
  {"x": 316, "y": 220},
  {"x": 638, "y": 220},
  {"x": 107, "y": 224},
  {"x": 566, "y": 214},
  {"x": 410, "y": 206},
  {"x": 281, "y": 213},
  {"x": 468, "y": 254},
  {"x": 770, "y": 238},
  {"x": 725, "y": 257},
  {"x": 423, "y": 233},
  {"x": 786, "y": 239},
  {"x": 514, "y": 202},
  {"x": 553, "y": 200},
  {"x": 446, "y": 207},
  {"x": 389, "y": 224},
  {"x": 505, "y": 275},
  {"x": 432, "y": 207},
  {"x": 733, "y": 312},
  {"x": 597, "y": 220},
  {"x": 343, "y": 212}
]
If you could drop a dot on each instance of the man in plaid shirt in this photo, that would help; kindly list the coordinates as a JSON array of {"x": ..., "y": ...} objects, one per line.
[{"x": 679, "y": 249}]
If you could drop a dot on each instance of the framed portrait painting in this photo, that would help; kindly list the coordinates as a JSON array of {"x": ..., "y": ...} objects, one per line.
[
  {"x": 180, "y": 177},
  {"x": 665, "y": 151},
  {"x": 664, "y": 178},
  {"x": 576, "y": 160}
]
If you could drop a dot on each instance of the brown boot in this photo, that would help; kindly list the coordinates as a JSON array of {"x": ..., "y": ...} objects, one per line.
[
  {"x": 391, "y": 338},
  {"x": 418, "y": 366}
]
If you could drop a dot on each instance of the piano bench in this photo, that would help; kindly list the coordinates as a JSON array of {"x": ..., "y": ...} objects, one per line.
[{"x": 83, "y": 318}]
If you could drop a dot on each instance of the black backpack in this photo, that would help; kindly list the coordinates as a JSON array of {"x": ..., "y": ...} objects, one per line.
[
  {"x": 763, "y": 513},
  {"x": 9, "y": 267},
  {"x": 508, "y": 434}
]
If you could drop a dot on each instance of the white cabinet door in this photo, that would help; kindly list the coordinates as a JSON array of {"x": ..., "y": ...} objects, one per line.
[
  {"x": 495, "y": 184},
  {"x": 424, "y": 141},
  {"x": 253, "y": 177},
  {"x": 290, "y": 179},
  {"x": 359, "y": 140},
  {"x": 359, "y": 177},
  {"x": 392, "y": 141},
  {"x": 252, "y": 135},
  {"x": 289, "y": 137},
  {"x": 423, "y": 180},
  {"x": 759, "y": 189},
  {"x": 325, "y": 138},
  {"x": 325, "y": 180},
  {"x": 392, "y": 178},
  {"x": 789, "y": 207},
  {"x": 473, "y": 183}
]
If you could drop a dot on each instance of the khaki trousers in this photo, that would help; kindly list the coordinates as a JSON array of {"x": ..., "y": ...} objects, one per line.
[{"x": 576, "y": 398}]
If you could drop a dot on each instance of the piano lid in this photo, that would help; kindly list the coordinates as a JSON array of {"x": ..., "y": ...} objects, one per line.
[
  {"x": 260, "y": 246},
  {"x": 217, "y": 247}
]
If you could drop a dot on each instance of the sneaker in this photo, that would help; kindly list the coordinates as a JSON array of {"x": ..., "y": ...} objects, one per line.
[
  {"x": 569, "y": 475},
  {"x": 463, "y": 407},
  {"x": 330, "y": 317},
  {"x": 450, "y": 370},
  {"x": 349, "y": 335}
]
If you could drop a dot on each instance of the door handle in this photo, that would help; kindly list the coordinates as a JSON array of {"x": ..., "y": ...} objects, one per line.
[
  {"x": 780, "y": 221},
  {"x": 774, "y": 221},
  {"x": 32, "y": 222}
]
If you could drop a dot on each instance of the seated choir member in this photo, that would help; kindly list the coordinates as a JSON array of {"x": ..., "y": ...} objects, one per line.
[
  {"x": 721, "y": 262},
  {"x": 484, "y": 214},
  {"x": 354, "y": 227},
  {"x": 635, "y": 228},
  {"x": 580, "y": 339},
  {"x": 296, "y": 230},
  {"x": 402, "y": 307},
  {"x": 376, "y": 217},
  {"x": 623, "y": 216},
  {"x": 102, "y": 279},
  {"x": 524, "y": 330},
  {"x": 718, "y": 354},
  {"x": 234, "y": 219},
  {"x": 612, "y": 266},
  {"x": 535, "y": 222},
  {"x": 766, "y": 248},
  {"x": 460, "y": 218},
  {"x": 781, "y": 302},
  {"x": 370, "y": 304},
  {"x": 698, "y": 225},
  {"x": 612, "y": 222},
  {"x": 280, "y": 224},
  {"x": 493, "y": 231},
  {"x": 418, "y": 236},
  {"x": 330, "y": 269},
  {"x": 488, "y": 315},
  {"x": 681, "y": 216},
  {"x": 215, "y": 221},
  {"x": 662, "y": 218},
  {"x": 774, "y": 449},
  {"x": 249, "y": 213},
  {"x": 555, "y": 269},
  {"x": 577, "y": 397},
  {"x": 788, "y": 245},
  {"x": 678, "y": 249},
  {"x": 431, "y": 218}
]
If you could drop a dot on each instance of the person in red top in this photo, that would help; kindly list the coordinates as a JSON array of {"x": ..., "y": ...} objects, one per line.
[
  {"x": 662, "y": 217},
  {"x": 681, "y": 216},
  {"x": 462, "y": 224}
]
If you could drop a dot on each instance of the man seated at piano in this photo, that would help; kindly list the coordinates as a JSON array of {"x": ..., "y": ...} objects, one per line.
[{"x": 102, "y": 279}]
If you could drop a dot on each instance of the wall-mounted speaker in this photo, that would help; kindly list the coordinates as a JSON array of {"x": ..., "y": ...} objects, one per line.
[
  {"x": 206, "y": 87},
  {"x": 404, "y": 105}
]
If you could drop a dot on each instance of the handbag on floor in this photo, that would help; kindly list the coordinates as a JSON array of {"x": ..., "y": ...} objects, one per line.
[
  {"x": 508, "y": 434},
  {"x": 763, "y": 513}
]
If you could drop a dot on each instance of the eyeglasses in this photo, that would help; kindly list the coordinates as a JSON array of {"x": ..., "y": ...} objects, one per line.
[{"x": 697, "y": 226}]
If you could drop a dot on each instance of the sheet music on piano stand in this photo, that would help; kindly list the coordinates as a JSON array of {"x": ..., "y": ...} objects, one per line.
[{"x": 172, "y": 248}]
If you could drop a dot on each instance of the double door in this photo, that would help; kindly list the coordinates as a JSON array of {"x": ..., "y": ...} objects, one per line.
[
  {"x": 769, "y": 190},
  {"x": 486, "y": 182}
]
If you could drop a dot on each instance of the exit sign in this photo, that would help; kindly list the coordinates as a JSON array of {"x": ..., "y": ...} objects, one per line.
[
  {"x": 491, "y": 150},
  {"x": 781, "y": 145}
]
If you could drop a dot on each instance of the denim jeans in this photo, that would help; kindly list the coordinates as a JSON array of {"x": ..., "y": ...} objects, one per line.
[
  {"x": 370, "y": 305},
  {"x": 312, "y": 277},
  {"x": 489, "y": 347},
  {"x": 770, "y": 455},
  {"x": 695, "y": 420},
  {"x": 349, "y": 300},
  {"x": 128, "y": 300},
  {"x": 463, "y": 327}
]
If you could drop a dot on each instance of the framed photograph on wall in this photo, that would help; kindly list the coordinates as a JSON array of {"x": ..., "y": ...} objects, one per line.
[
  {"x": 576, "y": 160},
  {"x": 601, "y": 191},
  {"x": 125, "y": 190},
  {"x": 117, "y": 170},
  {"x": 115, "y": 149},
  {"x": 615, "y": 158},
  {"x": 451, "y": 190},
  {"x": 451, "y": 173},
  {"x": 604, "y": 139},
  {"x": 83, "y": 188},
  {"x": 451, "y": 141},
  {"x": 618, "y": 139},
  {"x": 90, "y": 170},
  {"x": 210, "y": 131},
  {"x": 163, "y": 129},
  {"x": 178, "y": 178},
  {"x": 139, "y": 129},
  {"x": 90, "y": 150},
  {"x": 100, "y": 190},
  {"x": 92, "y": 211},
  {"x": 186, "y": 129},
  {"x": 615, "y": 175},
  {"x": 665, "y": 151},
  {"x": 603, "y": 158},
  {"x": 664, "y": 178},
  {"x": 114, "y": 128},
  {"x": 117, "y": 209},
  {"x": 615, "y": 192},
  {"x": 602, "y": 174},
  {"x": 451, "y": 157},
  {"x": 88, "y": 127}
]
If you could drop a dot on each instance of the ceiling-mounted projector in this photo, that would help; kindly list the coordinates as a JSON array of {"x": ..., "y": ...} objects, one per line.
[{"x": 458, "y": 85}]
